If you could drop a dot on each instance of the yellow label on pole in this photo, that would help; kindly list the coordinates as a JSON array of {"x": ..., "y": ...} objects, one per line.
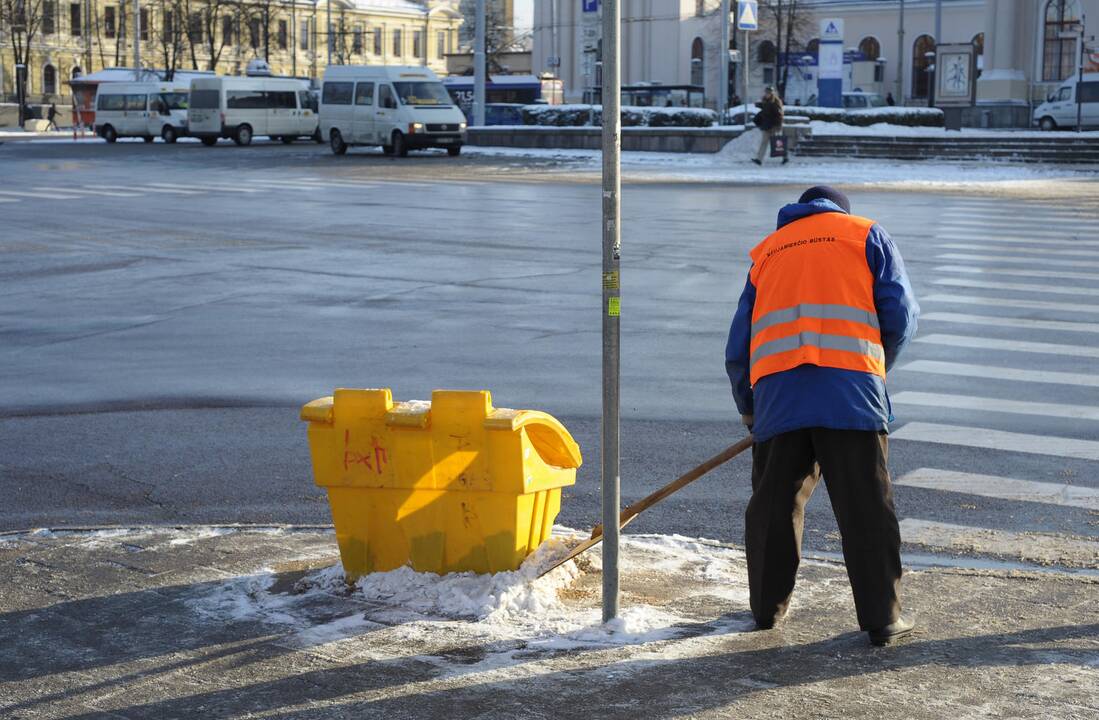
[
  {"x": 610, "y": 280},
  {"x": 614, "y": 305}
]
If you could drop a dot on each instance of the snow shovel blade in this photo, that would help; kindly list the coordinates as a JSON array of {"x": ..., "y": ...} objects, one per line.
[{"x": 630, "y": 512}]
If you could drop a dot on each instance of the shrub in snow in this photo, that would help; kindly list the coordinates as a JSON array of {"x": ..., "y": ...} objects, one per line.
[
  {"x": 909, "y": 116},
  {"x": 632, "y": 116}
]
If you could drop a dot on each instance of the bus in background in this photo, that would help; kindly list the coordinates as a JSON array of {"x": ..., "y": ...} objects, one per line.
[
  {"x": 147, "y": 110},
  {"x": 241, "y": 108},
  {"x": 508, "y": 92}
]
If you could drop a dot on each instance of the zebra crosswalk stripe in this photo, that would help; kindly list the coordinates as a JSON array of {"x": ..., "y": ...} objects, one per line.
[
  {"x": 1002, "y": 488},
  {"x": 1009, "y": 302},
  {"x": 1012, "y": 322},
  {"x": 1023, "y": 287},
  {"x": 1000, "y": 259},
  {"x": 992, "y": 247},
  {"x": 1053, "y": 274},
  {"x": 1001, "y": 440},
  {"x": 991, "y": 372},
  {"x": 987, "y": 404},
  {"x": 1045, "y": 549}
]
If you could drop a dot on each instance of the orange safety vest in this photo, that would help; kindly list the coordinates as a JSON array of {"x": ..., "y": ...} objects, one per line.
[{"x": 815, "y": 298}]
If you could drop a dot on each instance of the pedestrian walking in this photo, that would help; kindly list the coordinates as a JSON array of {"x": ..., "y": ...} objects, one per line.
[
  {"x": 825, "y": 312},
  {"x": 889, "y": 99},
  {"x": 51, "y": 118},
  {"x": 769, "y": 121}
]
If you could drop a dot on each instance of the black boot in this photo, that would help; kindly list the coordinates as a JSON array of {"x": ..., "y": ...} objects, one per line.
[{"x": 892, "y": 632}]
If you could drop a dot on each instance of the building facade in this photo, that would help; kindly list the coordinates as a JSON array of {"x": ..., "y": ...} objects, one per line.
[
  {"x": 1024, "y": 48},
  {"x": 68, "y": 38}
]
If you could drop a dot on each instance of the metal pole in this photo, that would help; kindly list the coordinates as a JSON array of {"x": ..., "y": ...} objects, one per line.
[
  {"x": 293, "y": 39},
  {"x": 328, "y": 29},
  {"x": 137, "y": 39},
  {"x": 1080, "y": 72},
  {"x": 479, "y": 66},
  {"x": 747, "y": 54},
  {"x": 612, "y": 241},
  {"x": 723, "y": 61},
  {"x": 900, "y": 57}
]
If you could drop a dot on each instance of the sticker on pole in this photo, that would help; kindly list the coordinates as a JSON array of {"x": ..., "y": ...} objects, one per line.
[{"x": 747, "y": 12}]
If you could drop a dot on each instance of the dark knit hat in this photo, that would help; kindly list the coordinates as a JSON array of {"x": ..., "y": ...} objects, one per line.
[{"x": 828, "y": 193}]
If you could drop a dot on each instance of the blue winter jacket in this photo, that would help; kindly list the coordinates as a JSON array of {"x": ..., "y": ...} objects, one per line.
[{"x": 814, "y": 396}]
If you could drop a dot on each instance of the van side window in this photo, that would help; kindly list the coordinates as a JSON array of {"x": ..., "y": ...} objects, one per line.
[
  {"x": 337, "y": 93},
  {"x": 386, "y": 98},
  {"x": 245, "y": 100},
  {"x": 283, "y": 100},
  {"x": 1064, "y": 93},
  {"x": 364, "y": 93},
  {"x": 1089, "y": 91},
  {"x": 136, "y": 102},
  {"x": 112, "y": 102},
  {"x": 308, "y": 100}
]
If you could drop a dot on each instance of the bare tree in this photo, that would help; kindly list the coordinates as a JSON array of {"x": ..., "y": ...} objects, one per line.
[
  {"x": 500, "y": 37},
  {"x": 792, "y": 24},
  {"x": 22, "y": 20},
  {"x": 168, "y": 35}
]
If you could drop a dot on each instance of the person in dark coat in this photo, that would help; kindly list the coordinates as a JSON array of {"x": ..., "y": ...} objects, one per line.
[
  {"x": 769, "y": 121},
  {"x": 889, "y": 100},
  {"x": 51, "y": 117}
]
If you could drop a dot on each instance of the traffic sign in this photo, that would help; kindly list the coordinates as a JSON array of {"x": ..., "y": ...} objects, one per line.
[{"x": 747, "y": 15}]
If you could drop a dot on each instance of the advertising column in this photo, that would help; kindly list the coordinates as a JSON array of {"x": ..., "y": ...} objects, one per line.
[{"x": 830, "y": 70}]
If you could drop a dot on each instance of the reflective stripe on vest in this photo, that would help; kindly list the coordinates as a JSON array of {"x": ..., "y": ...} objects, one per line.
[{"x": 815, "y": 298}]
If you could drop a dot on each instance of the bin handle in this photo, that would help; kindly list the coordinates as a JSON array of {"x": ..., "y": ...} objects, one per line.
[
  {"x": 318, "y": 411},
  {"x": 548, "y": 436}
]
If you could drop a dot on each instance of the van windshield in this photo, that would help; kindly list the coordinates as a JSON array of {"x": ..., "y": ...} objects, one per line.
[
  {"x": 205, "y": 99},
  {"x": 422, "y": 93}
]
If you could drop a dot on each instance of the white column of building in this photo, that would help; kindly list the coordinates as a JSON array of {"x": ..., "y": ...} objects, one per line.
[{"x": 1003, "y": 84}]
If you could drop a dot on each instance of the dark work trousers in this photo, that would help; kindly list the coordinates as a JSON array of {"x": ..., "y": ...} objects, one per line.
[{"x": 785, "y": 470}]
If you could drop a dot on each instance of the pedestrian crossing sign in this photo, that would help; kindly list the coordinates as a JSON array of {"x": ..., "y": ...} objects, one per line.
[{"x": 747, "y": 15}]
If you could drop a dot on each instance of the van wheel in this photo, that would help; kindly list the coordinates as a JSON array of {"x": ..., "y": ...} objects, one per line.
[
  {"x": 1047, "y": 123},
  {"x": 339, "y": 147},
  {"x": 109, "y": 133},
  {"x": 209, "y": 141},
  {"x": 387, "y": 149},
  {"x": 169, "y": 134},
  {"x": 244, "y": 135},
  {"x": 454, "y": 150},
  {"x": 287, "y": 139},
  {"x": 400, "y": 145}
]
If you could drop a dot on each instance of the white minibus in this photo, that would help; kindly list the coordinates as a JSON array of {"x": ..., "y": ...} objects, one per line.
[
  {"x": 146, "y": 110},
  {"x": 241, "y": 108},
  {"x": 1059, "y": 109},
  {"x": 397, "y": 107}
]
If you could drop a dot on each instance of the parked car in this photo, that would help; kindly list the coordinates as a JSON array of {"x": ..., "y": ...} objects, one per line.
[
  {"x": 1060, "y": 108},
  {"x": 147, "y": 110},
  {"x": 400, "y": 108},
  {"x": 241, "y": 108}
]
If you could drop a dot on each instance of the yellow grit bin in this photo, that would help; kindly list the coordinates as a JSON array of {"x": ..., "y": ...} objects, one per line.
[{"x": 444, "y": 486}]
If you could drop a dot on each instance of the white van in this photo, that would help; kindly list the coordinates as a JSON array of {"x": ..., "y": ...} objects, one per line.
[
  {"x": 243, "y": 107},
  {"x": 397, "y": 107},
  {"x": 1059, "y": 109},
  {"x": 141, "y": 109}
]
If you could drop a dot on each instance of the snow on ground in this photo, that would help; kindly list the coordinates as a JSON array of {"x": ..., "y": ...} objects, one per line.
[
  {"x": 509, "y": 611},
  {"x": 822, "y": 127}
]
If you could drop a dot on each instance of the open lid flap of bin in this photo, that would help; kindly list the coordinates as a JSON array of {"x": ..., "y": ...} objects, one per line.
[{"x": 548, "y": 436}]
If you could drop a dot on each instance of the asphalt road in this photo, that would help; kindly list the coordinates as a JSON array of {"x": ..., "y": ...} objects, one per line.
[{"x": 165, "y": 311}]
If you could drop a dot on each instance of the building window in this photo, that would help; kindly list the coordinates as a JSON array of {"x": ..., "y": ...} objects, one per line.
[
  {"x": 700, "y": 8},
  {"x": 357, "y": 41},
  {"x": 254, "y": 33},
  {"x": 303, "y": 41},
  {"x": 110, "y": 27},
  {"x": 397, "y": 42},
  {"x": 1059, "y": 53},
  {"x": 49, "y": 80},
  {"x": 194, "y": 27},
  {"x": 76, "y": 24},
  {"x": 769, "y": 76},
  {"x": 923, "y": 56},
  {"x": 440, "y": 44},
  {"x": 377, "y": 41},
  {"x": 870, "y": 48},
  {"x": 698, "y": 69},
  {"x": 284, "y": 35},
  {"x": 76, "y": 72},
  {"x": 979, "y": 51},
  {"x": 765, "y": 52},
  {"x": 144, "y": 24},
  {"x": 49, "y": 17},
  {"x": 813, "y": 47},
  {"x": 227, "y": 29},
  {"x": 417, "y": 43}
]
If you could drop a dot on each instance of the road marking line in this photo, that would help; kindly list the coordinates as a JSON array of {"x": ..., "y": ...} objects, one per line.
[
  {"x": 1014, "y": 240},
  {"x": 1026, "y": 287},
  {"x": 1018, "y": 251},
  {"x": 317, "y": 183},
  {"x": 993, "y": 259},
  {"x": 989, "y": 372},
  {"x": 8, "y": 200},
  {"x": 1012, "y": 322},
  {"x": 1072, "y": 229},
  {"x": 105, "y": 193},
  {"x": 40, "y": 195},
  {"x": 998, "y": 440},
  {"x": 1045, "y": 549},
  {"x": 1023, "y": 273},
  {"x": 1010, "y": 302},
  {"x": 1004, "y": 488},
  {"x": 214, "y": 187},
  {"x": 983, "y": 404},
  {"x": 145, "y": 189}
]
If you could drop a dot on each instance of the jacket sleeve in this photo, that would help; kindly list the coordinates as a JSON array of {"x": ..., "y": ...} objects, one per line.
[
  {"x": 898, "y": 311},
  {"x": 738, "y": 350}
]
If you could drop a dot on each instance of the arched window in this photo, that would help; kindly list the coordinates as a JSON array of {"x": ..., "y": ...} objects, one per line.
[
  {"x": 697, "y": 63},
  {"x": 49, "y": 80},
  {"x": 1059, "y": 53},
  {"x": 766, "y": 52},
  {"x": 979, "y": 51},
  {"x": 921, "y": 65},
  {"x": 813, "y": 46},
  {"x": 76, "y": 72},
  {"x": 870, "y": 48}
]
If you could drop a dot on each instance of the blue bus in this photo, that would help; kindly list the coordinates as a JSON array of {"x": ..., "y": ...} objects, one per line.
[{"x": 505, "y": 94}]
